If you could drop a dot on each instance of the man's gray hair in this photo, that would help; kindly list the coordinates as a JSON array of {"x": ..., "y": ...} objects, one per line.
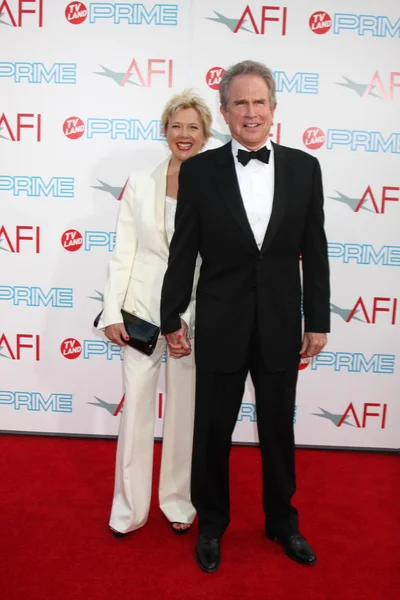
[{"x": 247, "y": 67}]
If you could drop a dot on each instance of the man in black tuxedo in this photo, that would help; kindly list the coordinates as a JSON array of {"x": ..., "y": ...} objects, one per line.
[{"x": 250, "y": 208}]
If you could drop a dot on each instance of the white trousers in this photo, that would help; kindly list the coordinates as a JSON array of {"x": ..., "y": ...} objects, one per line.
[{"x": 134, "y": 461}]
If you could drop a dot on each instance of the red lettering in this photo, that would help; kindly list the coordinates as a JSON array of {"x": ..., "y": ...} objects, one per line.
[
  {"x": 120, "y": 405},
  {"x": 353, "y": 312},
  {"x": 4, "y": 232},
  {"x": 349, "y": 409},
  {"x": 368, "y": 192},
  {"x": 21, "y": 345},
  {"x": 385, "y": 198},
  {"x": 4, "y": 5},
  {"x": 248, "y": 12},
  {"x": 21, "y": 237},
  {"x": 376, "y": 308},
  {"x": 368, "y": 414},
  {"x": 133, "y": 66},
  {"x": 3, "y": 340},
  {"x": 393, "y": 84},
  {"x": 376, "y": 78},
  {"x": 3, "y": 119},
  {"x": 264, "y": 18}
]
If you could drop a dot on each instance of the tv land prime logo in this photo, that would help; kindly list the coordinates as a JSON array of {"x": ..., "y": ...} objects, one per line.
[
  {"x": 321, "y": 22},
  {"x": 369, "y": 141},
  {"x": 353, "y": 419},
  {"x": 300, "y": 83},
  {"x": 13, "y": 347},
  {"x": 120, "y": 13},
  {"x": 369, "y": 201},
  {"x": 351, "y": 362},
  {"x": 365, "y": 254},
  {"x": 36, "y": 402},
  {"x": 142, "y": 77},
  {"x": 15, "y": 125},
  {"x": 35, "y": 72},
  {"x": 71, "y": 348},
  {"x": 129, "y": 129},
  {"x": 251, "y": 21},
  {"x": 36, "y": 186},
  {"x": 72, "y": 240},
  {"x": 20, "y": 12},
  {"x": 16, "y": 239},
  {"x": 22, "y": 295}
]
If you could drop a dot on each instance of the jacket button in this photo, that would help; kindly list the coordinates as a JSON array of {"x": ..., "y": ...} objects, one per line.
[
  {"x": 253, "y": 288},
  {"x": 260, "y": 257}
]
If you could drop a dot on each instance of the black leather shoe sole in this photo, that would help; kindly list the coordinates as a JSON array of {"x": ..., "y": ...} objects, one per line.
[
  {"x": 294, "y": 557},
  {"x": 204, "y": 567},
  {"x": 119, "y": 534}
]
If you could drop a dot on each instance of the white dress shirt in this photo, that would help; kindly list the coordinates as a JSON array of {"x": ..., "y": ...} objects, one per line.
[
  {"x": 256, "y": 183},
  {"x": 170, "y": 210}
]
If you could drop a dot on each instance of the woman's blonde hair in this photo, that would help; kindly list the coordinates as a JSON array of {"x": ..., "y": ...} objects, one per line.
[{"x": 187, "y": 99}]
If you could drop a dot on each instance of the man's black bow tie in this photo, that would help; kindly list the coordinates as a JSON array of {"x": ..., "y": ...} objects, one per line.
[{"x": 245, "y": 157}]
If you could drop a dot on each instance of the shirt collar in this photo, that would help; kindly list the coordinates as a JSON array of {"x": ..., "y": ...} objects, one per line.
[{"x": 237, "y": 146}]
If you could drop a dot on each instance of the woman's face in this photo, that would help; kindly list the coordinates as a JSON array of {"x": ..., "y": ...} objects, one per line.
[{"x": 185, "y": 136}]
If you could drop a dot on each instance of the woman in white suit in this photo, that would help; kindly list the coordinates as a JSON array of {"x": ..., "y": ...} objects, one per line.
[{"x": 135, "y": 276}]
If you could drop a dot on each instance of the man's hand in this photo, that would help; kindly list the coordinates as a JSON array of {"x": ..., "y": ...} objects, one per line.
[
  {"x": 115, "y": 333},
  {"x": 178, "y": 342},
  {"x": 313, "y": 344}
]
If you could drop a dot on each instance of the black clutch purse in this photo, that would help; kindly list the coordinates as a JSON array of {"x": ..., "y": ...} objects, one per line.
[{"x": 143, "y": 335}]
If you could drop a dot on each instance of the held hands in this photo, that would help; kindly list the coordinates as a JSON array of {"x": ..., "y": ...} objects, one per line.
[
  {"x": 313, "y": 344},
  {"x": 178, "y": 342},
  {"x": 116, "y": 333}
]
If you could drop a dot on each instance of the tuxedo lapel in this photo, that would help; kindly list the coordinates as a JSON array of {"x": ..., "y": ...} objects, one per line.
[
  {"x": 228, "y": 185},
  {"x": 282, "y": 178},
  {"x": 159, "y": 176}
]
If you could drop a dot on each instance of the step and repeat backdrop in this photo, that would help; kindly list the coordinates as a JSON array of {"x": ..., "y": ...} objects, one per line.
[{"x": 82, "y": 88}]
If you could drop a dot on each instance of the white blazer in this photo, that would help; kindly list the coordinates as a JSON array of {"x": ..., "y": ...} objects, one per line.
[{"x": 137, "y": 267}]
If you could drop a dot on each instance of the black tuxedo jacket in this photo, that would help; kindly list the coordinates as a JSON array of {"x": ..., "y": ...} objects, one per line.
[{"x": 238, "y": 284}]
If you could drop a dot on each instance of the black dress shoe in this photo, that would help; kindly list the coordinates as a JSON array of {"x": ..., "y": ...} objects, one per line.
[
  {"x": 208, "y": 554},
  {"x": 119, "y": 534},
  {"x": 296, "y": 547}
]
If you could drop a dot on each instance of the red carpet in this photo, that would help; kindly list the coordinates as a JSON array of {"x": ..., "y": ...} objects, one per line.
[{"x": 55, "y": 544}]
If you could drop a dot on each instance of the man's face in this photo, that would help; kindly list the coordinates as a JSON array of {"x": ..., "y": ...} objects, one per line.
[{"x": 248, "y": 114}]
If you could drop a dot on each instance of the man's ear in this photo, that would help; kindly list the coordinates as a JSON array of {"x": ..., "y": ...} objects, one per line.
[{"x": 224, "y": 113}]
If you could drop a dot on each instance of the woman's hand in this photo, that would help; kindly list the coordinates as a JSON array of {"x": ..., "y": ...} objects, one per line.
[{"x": 116, "y": 333}]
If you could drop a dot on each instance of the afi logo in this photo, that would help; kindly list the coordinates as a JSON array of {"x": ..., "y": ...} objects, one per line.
[
  {"x": 313, "y": 138},
  {"x": 269, "y": 14},
  {"x": 71, "y": 240},
  {"x": 21, "y": 8},
  {"x": 115, "y": 191},
  {"x": 73, "y": 128},
  {"x": 385, "y": 305},
  {"x": 320, "y": 22},
  {"x": 22, "y": 233},
  {"x": 76, "y": 13},
  {"x": 214, "y": 76},
  {"x": 362, "y": 421},
  {"x": 369, "y": 201},
  {"x": 141, "y": 77},
  {"x": 23, "y": 341},
  {"x": 70, "y": 348},
  {"x": 377, "y": 84},
  {"x": 113, "y": 409},
  {"x": 22, "y": 121}
]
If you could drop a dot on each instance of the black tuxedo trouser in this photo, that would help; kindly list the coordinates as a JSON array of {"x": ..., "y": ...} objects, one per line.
[{"x": 218, "y": 400}]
